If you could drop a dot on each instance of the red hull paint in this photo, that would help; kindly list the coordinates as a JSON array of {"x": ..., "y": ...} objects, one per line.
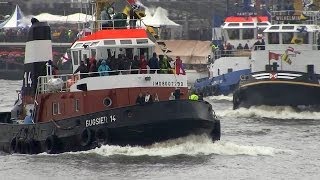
[{"x": 92, "y": 101}]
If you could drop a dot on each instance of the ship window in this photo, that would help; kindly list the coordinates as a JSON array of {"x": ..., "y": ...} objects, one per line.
[
  {"x": 218, "y": 72},
  {"x": 77, "y": 105},
  {"x": 248, "y": 33},
  {"x": 129, "y": 53},
  {"x": 230, "y": 70},
  {"x": 304, "y": 37},
  {"x": 233, "y": 24},
  {"x": 107, "y": 102},
  {"x": 94, "y": 43},
  {"x": 233, "y": 34},
  {"x": 78, "y": 45},
  {"x": 287, "y": 27},
  {"x": 273, "y": 38},
  {"x": 142, "y": 41},
  {"x": 274, "y": 27},
  {"x": 262, "y": 24},
  {"x": 75, "y": 57},
  {"x": 287, "y": 37},
  {"x": 93, "y": 52},
  {"x": 125, "y": 42},
  {"x": 109, "y": 42},
  {"x": 248, "y": 24},
  {"x": 143, "y": 51},
  {"x": 55, "y": 108}
]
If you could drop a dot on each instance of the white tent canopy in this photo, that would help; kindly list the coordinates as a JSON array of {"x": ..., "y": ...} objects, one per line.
[
  {"x": 13, "y": 21},
  {"x": 78, "y": 18},
  {"x": 50, "y": 17},
  {"x": 159, "y": 18}
]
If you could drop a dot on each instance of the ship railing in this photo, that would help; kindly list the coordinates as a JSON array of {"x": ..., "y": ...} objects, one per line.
[
  {"x": 299, "y": 17},
  {"x": 283, "y": 47},
  {"x": 118, "y": 24},
  {"x": 63, "y": 82},
  {"x": 231, "y": 53}
]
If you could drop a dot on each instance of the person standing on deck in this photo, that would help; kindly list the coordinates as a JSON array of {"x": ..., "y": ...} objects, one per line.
[{"x": 153, "y": 63}]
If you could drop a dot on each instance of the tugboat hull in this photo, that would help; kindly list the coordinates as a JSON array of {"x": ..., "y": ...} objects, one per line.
[
  {"x": 132, "y": 125},
  {"x": 277, "y": 93}
]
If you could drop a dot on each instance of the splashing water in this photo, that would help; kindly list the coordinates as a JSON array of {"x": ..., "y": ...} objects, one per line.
[
  {"x": 191, "y": 145},
  {"x": 273, "y": 112},
  {"x": 221, "y": 97}
]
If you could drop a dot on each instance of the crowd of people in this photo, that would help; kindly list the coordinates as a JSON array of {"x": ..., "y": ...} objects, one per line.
[
  {"x": 126, "y": 64},
  {"x": 59, "y": 34}
]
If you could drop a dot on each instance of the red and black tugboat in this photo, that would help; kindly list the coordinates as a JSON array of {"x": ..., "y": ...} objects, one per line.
[{"x": 82, "y": 111}]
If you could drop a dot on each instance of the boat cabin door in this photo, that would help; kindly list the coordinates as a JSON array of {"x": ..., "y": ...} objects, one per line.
[{"x": 78, "y": 56}]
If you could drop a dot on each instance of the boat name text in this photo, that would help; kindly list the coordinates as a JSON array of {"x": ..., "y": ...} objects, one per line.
[{"x": 100, "y": 120}]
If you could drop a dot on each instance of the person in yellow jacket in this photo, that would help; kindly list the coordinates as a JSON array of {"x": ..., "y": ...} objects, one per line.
[{"x": 194, "y": 97}]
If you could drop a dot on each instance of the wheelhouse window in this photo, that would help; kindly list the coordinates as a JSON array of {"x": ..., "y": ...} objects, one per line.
[
  {"x": 273, "y": 38},
  {"x": 77, "y": 105},
  {"x": 142, "y": 41},
  {"x": 75, "y": 56},
  {"x": 56, "y": 108},
  {"x": 143, "y": 51},
  {"x": 93, "y": 52},
  {"x": 233, "y": 34},
  {"x": 248, "y": 34},
  {"x": 287, "y": 37},
  {"x": 125, "y": 42},
  {"x": 304, "y": 37}
]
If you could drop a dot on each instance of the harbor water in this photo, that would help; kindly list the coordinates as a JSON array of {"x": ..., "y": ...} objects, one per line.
[{"x": 256, "y": 143}]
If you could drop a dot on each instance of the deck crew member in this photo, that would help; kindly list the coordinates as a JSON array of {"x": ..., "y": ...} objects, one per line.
[
  {"x": 83, "y": 69},
  {"x": 194, "y": 97},
  {"x": 28, "y": 119}
]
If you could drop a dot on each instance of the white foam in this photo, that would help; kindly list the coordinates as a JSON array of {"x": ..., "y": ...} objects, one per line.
[
  {"x": 191, "y": 145},
  {"x": 273, "y": 112},
  {"x": 221, "y": 97}
]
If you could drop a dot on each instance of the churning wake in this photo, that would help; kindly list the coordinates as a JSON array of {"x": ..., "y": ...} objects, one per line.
[
  {"x": 272, "y": 112},
  {"x": 221, "y": 97},
  {"x": 191, "y": 145}
]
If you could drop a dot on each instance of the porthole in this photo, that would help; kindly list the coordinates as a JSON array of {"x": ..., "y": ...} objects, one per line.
[{"x": 107, "y": 102}]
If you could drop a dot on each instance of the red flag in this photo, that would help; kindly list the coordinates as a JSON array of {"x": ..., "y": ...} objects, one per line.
[{"x": 274, "y": 56}]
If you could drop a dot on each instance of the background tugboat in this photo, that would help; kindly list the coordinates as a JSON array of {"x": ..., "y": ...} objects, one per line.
[
  {"x": 82, "y": 111},
  {"x": 286, "y": 71},
  {"x": 232, "y": 42}
]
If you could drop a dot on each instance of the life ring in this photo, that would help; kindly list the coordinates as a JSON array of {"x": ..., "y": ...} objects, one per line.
[
  {"x": 102, "y": 135},
  {"x": 13, "y": 145},
  {"x": 86, "y": 137},
  {"x": 242, "y": 77},
  {"x": 51, "y": 144}
]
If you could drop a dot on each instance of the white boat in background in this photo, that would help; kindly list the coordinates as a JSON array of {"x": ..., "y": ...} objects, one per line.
[
  {"x": 231, "y": 57},
  {"x": 287, "y": 71}
]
